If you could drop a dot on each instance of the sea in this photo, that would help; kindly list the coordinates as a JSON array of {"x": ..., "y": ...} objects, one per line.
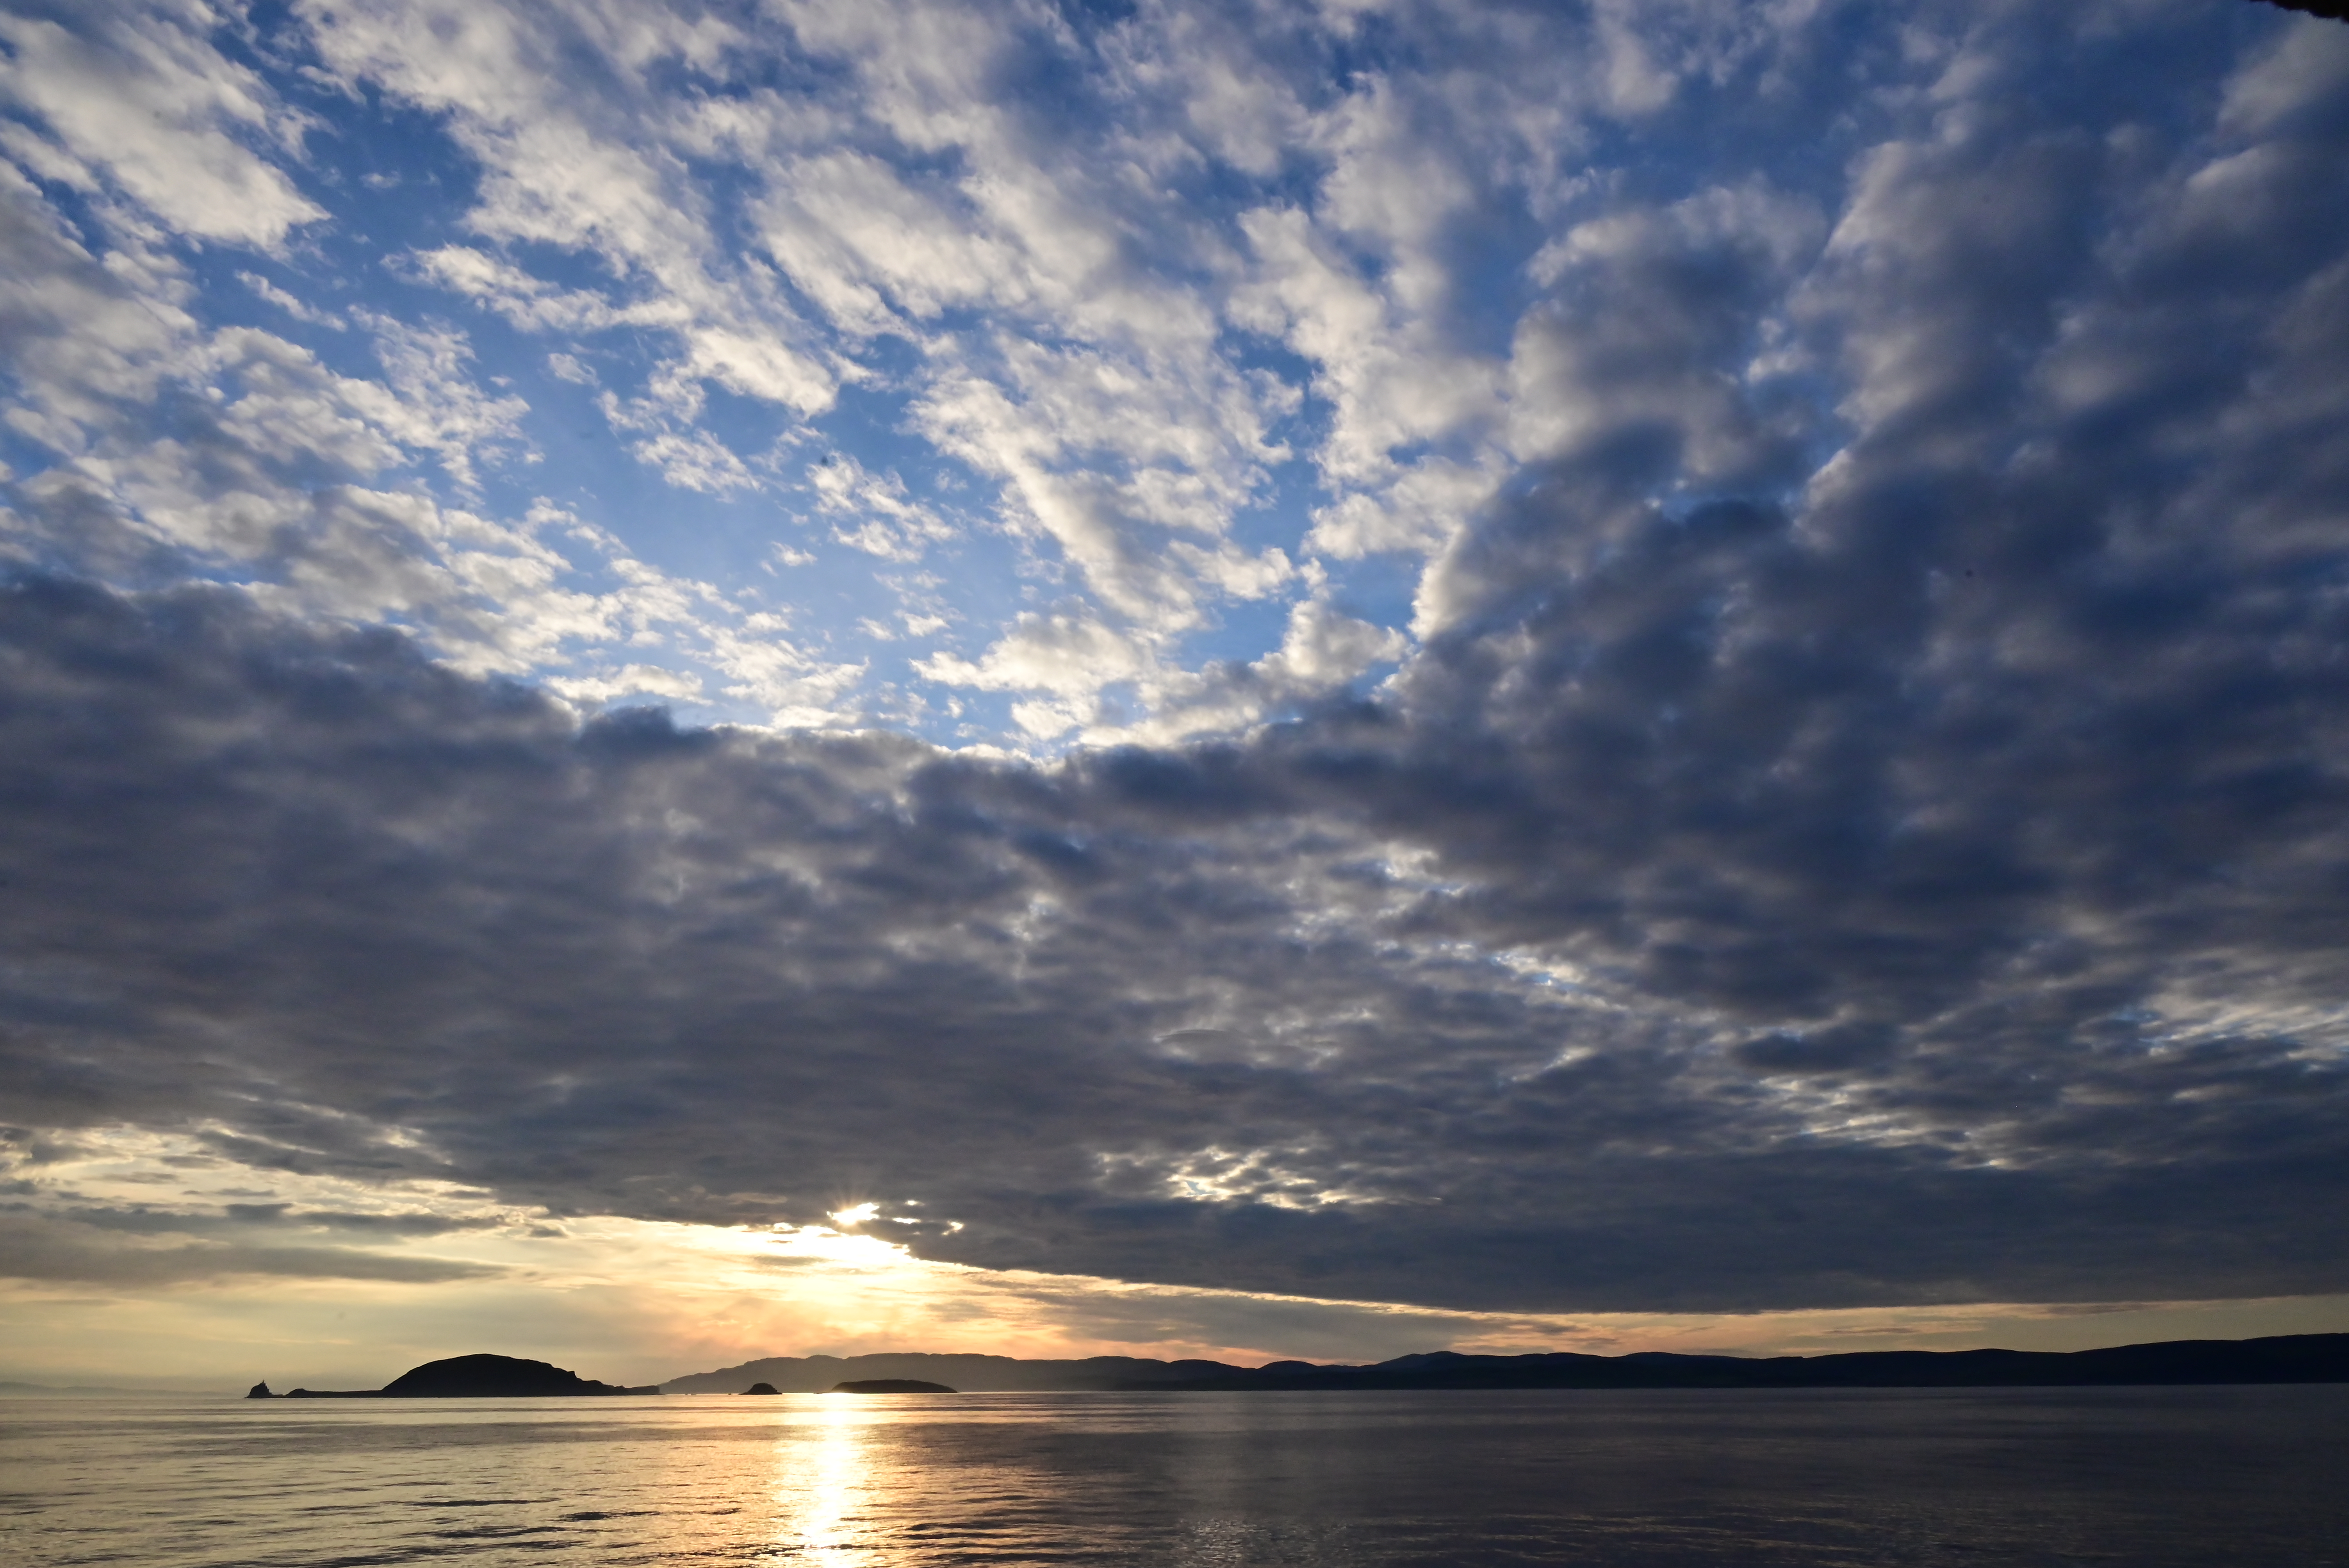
[{"x": 2193, "y": 1477}]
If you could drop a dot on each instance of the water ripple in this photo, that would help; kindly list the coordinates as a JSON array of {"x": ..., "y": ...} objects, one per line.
[{"x": 2257, "y": 1478}]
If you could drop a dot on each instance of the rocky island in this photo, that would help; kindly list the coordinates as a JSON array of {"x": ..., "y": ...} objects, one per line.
[{"x": 471, "y": 1377}]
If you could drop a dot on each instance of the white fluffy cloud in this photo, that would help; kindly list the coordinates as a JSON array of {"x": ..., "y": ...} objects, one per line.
[{"x": 136, "y": 97}]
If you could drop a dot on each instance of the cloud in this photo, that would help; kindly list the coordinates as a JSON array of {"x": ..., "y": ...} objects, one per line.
[
  {"x": 697, "y": 462},
  {"x": 567, "y": 162},
  {"x": 1829, "y": 1046},
  {"x": 182, "y": 449},
  {"x": 291, "y": 304},
  {"x": 528, "y": 302},
  {"x": 632, "y": 680},
  {"x": 438, "y": 406},
  {"x": 875, "y": 513},
  {"x": 1325, "y": 647},
  {"x": 1067, "y": 656},
  {"x": 1855, "y": 820},
  {"x": 60, "y": 1251},
  {"x": 79, "y": 334},
  {"x": 136, "y": 95}
]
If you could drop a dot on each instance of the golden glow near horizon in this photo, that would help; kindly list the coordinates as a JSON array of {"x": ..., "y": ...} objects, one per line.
[{"x": 329, "y": 1281}]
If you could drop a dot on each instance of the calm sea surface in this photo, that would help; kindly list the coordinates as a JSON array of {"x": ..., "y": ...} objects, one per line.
[{"x": 2183, "y": 1476}]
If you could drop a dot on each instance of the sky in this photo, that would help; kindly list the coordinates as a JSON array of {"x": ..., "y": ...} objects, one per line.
[{"x": 684, "y": 681}]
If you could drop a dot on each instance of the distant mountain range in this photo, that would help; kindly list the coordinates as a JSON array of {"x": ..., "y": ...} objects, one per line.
[{"x": 2284, "y": 1358}]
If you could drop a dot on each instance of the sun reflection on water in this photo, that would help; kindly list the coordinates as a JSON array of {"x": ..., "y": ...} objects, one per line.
[{"x": 824, "y": 1488}]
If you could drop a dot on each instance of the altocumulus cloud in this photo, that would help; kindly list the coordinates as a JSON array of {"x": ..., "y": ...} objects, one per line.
[{"x": 1855, "y": 816}]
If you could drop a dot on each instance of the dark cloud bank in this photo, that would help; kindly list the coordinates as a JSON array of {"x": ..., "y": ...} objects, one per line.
[
  {"x": 1955, "y": 879},
  {"x": 1919, "y": 878}
]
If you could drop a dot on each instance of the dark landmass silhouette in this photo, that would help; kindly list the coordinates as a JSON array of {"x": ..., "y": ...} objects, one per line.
[
  {"x": 2336, "y": 9},
  {"x": 762, "y": 1388},
  {"x": 971, "y": 1374},
  {"x": 2284, "y": 1358},
  {"x": 260, "y": 1391},
  {"x": 471, "y": 1378},
  {"x": 889, "y": 1386}
]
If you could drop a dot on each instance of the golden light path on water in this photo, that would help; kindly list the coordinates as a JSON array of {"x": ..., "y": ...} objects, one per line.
[{"x": 820, "y": 1493}]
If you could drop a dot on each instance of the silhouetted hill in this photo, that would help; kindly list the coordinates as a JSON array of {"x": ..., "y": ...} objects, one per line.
[
  {"x": 476, "y": 1377},
  {"x": 972, "y": 1374},
  {"x": 889, "y": 1386},
  {"x": 2286, "y": 1358}
]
